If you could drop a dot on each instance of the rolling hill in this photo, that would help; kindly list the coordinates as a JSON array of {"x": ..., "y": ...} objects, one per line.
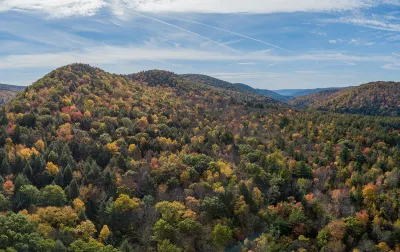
[
  {"x": 239, "y": 87},
  {"x": 375, "y": 98},
  {"x": 94, "y": 161}
]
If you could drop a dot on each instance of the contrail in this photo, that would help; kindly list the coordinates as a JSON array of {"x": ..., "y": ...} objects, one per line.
[
  {"x": 182, "y": 29},
  {"x": 231, "y": 32}
]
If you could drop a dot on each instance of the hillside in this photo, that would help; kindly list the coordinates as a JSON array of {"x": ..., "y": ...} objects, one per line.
[
  {"x": 93, "y": 161},
  {"x": 376, "y": 98},
  {"x": 8, "y": 92},
  {"x": 239, "y": 87}
]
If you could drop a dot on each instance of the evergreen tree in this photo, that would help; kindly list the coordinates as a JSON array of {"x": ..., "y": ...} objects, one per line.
[
  {"x": 5, "y": 167},
  {"x": 73, "y": 189}
]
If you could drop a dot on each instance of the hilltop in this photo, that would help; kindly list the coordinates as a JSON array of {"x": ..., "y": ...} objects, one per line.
[{"x": 375, "y": 98}]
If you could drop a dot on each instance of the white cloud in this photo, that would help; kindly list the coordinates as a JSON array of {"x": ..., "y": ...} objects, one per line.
[
  {"x": 66, "y": 8},
  {"x": 104, "y": 55},
  {"x": 246, "y": 63},
  {"x": 55, "y": 8},
  {"x": 393, "y": 66},
  {"x": 369, "y": 23},
  {"x": 332, "y": 41},
  {"x": 240, "y": 6}
]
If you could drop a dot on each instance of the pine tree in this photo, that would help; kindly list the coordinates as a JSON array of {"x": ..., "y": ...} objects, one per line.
[
  {"x": 73, "y": 189},
  {"x": 28, "y": 171},
  {"x": 5, "y": 167},
  {"x": 126, "y": 247},
  {"x": 67, "y": 175}
]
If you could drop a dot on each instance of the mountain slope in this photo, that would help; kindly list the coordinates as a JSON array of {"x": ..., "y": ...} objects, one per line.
[
  {"x": 94, "y": 161},
  {"x": 239, "y": 87},
  {"x": 376, "y": 98},
  {"x": 8, "y": 92}
]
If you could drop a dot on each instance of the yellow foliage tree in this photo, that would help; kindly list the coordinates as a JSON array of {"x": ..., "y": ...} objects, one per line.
[
  {"x": 86, "y": 229},
  {"x": 104, "y": 234},
  {"x": 78, "y": 205},
  {"x": 113, "y": 148},
  {"x": 39, "y": 145},
  {"x": 52, "y": 169},
  {"x": 124, "y": 203}
]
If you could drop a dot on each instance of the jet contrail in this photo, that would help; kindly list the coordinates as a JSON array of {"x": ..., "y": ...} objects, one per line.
[
  {"x": 231, "y": 32},
  {"x": 182, "y": 29}
]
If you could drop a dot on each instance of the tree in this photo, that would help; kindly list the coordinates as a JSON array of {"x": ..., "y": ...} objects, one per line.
[
  {"x": 53, "y": 195},
  {"x": 104, "y": 234},
  {"x": 73, "y": 189},
  {"x": 67, "y": 175},
  {"x": 125, "y": 204},
  {"x": 28, "y": 195},
  {"x": 5, "y": 204},
  {"x": 52, "y": 169},
  {"x": 167, "y": 246},
  {"x": 163, "y": 230},
  {"x": 125, "y": 247},
  {"x": 221, "y": 236},
  {"x": 214, "y": 207},
  {"x": 5, "y": 167},
  {"x": 86, "y": 230}
]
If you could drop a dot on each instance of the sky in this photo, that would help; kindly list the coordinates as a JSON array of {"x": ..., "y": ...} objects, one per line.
[{"x": 267, "y": 44}]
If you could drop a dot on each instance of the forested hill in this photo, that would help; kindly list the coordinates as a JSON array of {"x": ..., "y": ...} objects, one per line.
[
  {"x": 8, "y": 92},
  {"x": 376, "y": 98},
  {"x": 239, "y": 87},
  {"x": 92, "y": 161}
]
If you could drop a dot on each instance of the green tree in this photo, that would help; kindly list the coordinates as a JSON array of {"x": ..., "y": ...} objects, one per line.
[
  {"x": 28, "y": 195},
  {"x": 167, "y": 246},
  {"x": 221, "y": 236},
  {"x": 53, "y": 195}
]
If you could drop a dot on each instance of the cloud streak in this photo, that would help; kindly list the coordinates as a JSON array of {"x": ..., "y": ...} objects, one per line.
[
  {"x": 231, "y": 32},
  {"x": 67, "y": 8},
  {"x": 368, "y": 23},
  {"x": 182, "y": 29},
  {"x": 104, "y": 55}
]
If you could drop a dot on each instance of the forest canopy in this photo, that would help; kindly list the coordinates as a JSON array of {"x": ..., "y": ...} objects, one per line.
[{"x": 93, "y": 161}]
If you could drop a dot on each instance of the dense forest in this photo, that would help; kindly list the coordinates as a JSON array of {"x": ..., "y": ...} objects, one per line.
[
  {"x": 92, "y": 161},
  {"x": 376, "y": 98}
]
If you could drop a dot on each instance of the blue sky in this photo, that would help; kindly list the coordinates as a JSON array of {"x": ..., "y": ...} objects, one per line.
[{"x": 269, "y": 44}]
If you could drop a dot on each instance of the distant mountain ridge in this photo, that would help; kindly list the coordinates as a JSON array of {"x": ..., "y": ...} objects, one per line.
[
  {"x": 375, "y": 98},
  {"x": 8, "y": 92},
  {"x": 239, "y": 87},
  {"x": 294, "y": 93}
]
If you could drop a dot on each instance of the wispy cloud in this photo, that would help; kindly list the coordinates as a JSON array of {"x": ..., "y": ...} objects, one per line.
[
  {"x": 182, "y": 29},
  {"x": 67, "y": 8},
  {"x": 239, "y": 6},
  {"x": 55, "y": 8},
  {"x": 368, "y": 22},
  {"x": 103, "y": 55},
  {"x": 232, "y": 32},
  {"x": 393, "y": 66},
  {"x": 246, "y": 63}
]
